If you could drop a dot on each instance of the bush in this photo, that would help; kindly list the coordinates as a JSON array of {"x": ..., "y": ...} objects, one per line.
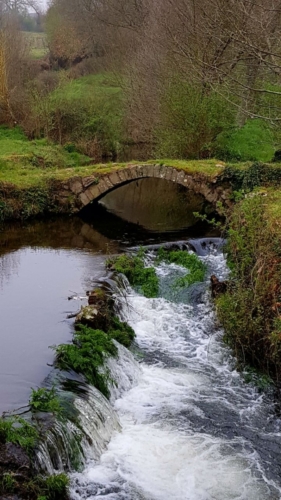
[
  {"x": 121, "y": 331},
  {"x": 55, "y": 487},
  {"x": 190, "y": 120},
  {"x": 255, "y": 175},
  {"x": 86, "y": 112},
  {"x": 249, "y": 309}
]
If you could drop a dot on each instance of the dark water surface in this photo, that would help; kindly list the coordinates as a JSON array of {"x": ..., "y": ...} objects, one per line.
[{"x": 44, "y": 262}]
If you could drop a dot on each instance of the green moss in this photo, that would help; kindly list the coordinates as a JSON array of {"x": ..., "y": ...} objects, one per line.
[
  {"x": 87, "y": 355},
  {"x": 18, "y": 431},
  {"x": 121, "y": 331},
  {"x": 142, "y": 278},
  {"x": 197, "y": 269}
]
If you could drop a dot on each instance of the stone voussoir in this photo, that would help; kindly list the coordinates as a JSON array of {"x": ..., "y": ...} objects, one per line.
[
  {"x": 93, "y": 192},
  {"x": 87, "y": 181},
  {"x": 122, "y": 175},
  {"x": 85, "y": 200},
  {"x": 114, "y": 178},
  {"x": 75, "y": 185},
  {"x": 174, "y": 175},
  {"x": 157, "y": 171},
  {"x": 147, "y": 171},
  {"x": 102, "y": 186}
]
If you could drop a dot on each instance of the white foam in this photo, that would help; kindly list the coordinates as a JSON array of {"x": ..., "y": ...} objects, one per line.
[{"x": 159, "y": 455}]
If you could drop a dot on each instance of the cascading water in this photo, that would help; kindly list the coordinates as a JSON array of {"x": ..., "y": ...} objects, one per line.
[{"x": 190, "y": 428}]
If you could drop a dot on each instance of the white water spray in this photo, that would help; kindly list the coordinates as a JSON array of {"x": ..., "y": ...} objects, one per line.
[{"x": 189, "y": 423}]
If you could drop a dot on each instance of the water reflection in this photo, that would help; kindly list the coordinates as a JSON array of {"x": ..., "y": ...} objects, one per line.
[
  {"x": 42, "y": 263},
  {"x": 156, "y": 205}
]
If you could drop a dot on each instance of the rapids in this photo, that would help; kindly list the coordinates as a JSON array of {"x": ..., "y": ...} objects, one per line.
[{"x": 189, "y": 427}]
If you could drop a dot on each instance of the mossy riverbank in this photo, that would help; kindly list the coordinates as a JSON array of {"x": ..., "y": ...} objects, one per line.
[{"x": 250, "y": 311}]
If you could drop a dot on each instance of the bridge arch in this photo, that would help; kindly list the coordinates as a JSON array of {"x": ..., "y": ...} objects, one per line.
[{"x": 93, "y": 188}]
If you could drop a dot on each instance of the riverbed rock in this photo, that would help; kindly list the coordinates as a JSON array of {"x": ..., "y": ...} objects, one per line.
[
  {"x": 13, "y": 457},
  {"x": 217, "y": 287},
  {"x": 14, "y": 462},
  {"x": 99, "y": 311}
]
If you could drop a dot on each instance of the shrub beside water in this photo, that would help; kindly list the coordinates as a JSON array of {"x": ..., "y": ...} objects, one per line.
[
  {"x": 249, "y": 311},
  {"x": 55, "y": 487}
]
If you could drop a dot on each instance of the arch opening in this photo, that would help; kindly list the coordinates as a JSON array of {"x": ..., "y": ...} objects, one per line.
[{"x": 151, "y": 205}]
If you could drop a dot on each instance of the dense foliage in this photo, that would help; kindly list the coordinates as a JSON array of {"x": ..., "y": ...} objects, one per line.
[
  {"x": 121, "y": 331},
  {"x": 250, "y": 309}
]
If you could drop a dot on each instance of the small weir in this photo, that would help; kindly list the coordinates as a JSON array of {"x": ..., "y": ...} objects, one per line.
[{"x": 181, "y": 422}]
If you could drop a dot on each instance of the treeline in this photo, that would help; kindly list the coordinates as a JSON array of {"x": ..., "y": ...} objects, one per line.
[{"x": 196, "y": 79}]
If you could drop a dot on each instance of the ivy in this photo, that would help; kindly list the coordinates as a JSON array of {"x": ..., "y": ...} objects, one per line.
[{"x": 257, "y": 174}]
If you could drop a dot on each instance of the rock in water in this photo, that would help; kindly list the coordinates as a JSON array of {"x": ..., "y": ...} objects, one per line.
[{"x": 218, "y": 287}]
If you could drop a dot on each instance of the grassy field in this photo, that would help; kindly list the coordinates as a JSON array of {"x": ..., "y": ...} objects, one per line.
[
  {"x": 37, "y": 44},
  {"x": 101, "y": 84},
  {"x": 25, "y": 163}
]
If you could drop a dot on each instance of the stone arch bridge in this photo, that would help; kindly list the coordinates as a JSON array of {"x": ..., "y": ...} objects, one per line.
[{"x": 84, "y": 190}]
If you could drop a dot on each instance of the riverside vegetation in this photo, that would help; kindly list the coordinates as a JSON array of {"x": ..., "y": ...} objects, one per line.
[
  {"x": 86, "y": 355},
  {"x": 81, "y": 99}
]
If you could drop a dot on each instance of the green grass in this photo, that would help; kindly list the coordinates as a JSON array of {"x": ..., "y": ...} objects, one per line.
[
  {"x": 37, "y": 44},
  {"x": 101, "y": 84},
  {"x": 39, "y": 53},
  {"x": 210, "y": 168},
  {"x": 253, "y": 142},
  {"x": 27, "y": 163}
]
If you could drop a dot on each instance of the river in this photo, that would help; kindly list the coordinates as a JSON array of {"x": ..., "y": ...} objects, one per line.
[{"x": 182, "y": 424}]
